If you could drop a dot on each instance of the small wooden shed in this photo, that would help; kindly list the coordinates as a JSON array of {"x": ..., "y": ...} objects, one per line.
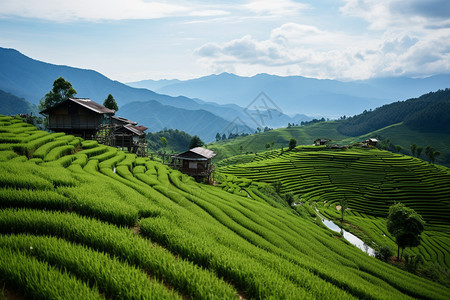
[
  {"x": 371, "y": 142},
  {"x": 77, "y": 116},
  {"x": 321, "y": 141},
  {"x": 130, "y": 137},
  {"x": 195, "y": 162}
]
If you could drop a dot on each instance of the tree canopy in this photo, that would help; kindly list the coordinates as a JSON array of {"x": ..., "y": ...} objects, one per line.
[
  {"x": 195, "y": 142},
  {"x": 405, "y": 225},
  {"x": 111, "y": 103},
  {"x": 62, "y": 90},
  {"x": 292, "y": 143}
]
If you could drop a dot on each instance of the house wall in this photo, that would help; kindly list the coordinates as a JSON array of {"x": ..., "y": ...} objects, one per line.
[{"x": 74, "y": 117}]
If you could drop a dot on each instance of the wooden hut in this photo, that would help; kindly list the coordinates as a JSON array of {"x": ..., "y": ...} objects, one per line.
[
  {"x": 321, "y": 141},
  {"x": 130, "y": 137},
  {"x": 371, "y": 142},
  {"x": 77, "y": 116},
  {"x": 195, "y": 162}
]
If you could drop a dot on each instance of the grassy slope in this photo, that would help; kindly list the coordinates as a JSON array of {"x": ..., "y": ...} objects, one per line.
[
  {"x": 103, "y": 222},
  {"x": 370, "y": 181},
  {"x": 398, "y": 134},
  {"x": 256, "y": 142}
]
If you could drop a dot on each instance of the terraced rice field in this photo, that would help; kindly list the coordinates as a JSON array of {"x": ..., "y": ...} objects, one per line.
[
  {"x": 95, "y": 222},
  {"x": 370, "y": 181}
]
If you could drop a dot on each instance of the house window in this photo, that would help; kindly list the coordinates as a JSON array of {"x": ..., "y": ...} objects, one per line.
[{"x": 192, "y": 165}]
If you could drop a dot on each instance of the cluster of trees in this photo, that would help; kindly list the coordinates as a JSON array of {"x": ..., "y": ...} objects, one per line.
[
  {"x": 415, "y": 150},
  {"x": 430, "y": 152},
  {"x": 63, "y": 90},
  {"x": 429, "y": 112},
  {"x": 313, "y": 121},
  {"x": 231, "y": 135},
  {"x": 168, "y": 140}
]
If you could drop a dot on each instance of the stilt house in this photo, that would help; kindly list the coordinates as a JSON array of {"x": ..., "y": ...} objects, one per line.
[
  {"x": 77, "y": 116},
  {"x": 195, "y": 162}
]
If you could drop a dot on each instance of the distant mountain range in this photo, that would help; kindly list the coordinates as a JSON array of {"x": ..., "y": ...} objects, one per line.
[
  {"x": 31, "y": 79},
  {"x": 259, "y": 101},
  {"x": 292, "y": 94}
]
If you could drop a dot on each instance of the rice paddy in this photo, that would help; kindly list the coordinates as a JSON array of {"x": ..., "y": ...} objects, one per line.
[{"x": 90, "y": 221}]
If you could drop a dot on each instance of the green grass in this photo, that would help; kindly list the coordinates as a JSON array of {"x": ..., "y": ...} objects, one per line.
[{"x": 102, "y": 223}]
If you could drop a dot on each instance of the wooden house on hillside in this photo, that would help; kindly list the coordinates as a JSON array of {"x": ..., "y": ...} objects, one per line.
[
  {"x": 132, "y": 138},
  {"x": 321, "y": 141},
  {"x": 371, "y": 142},
  {"x": 77, "y": 116},
  {"x": 195, "y": 162},
  {"x": 90, "y": 120}
]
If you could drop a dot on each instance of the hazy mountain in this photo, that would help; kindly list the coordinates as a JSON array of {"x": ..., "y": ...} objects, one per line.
[
  {"x": 313, "y": 97},
  {"x": 32, "y": 79},
  {"x": 152, "y": 84},
  {"x": 13, "y": 105},
  {"x": 203, "y": 123}
]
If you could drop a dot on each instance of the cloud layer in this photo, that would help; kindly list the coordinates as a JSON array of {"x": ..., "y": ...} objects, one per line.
[
  {"x": 101, "y": 10},
  {"x": 404, "y": 38}
]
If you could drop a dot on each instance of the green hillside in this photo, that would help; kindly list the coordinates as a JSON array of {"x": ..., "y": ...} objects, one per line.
[
  {"x": 398, "y": 134},
  {"x": 305, "y": 135},
  {"x": 423, "y": 121},
  {"x": 80, "y": 220},
  {"x": 370, "y": 180},
  {"x": 12, "y": 105}
]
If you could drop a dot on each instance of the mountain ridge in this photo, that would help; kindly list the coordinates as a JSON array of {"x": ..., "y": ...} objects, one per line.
[{"x": 316, "y": 97}]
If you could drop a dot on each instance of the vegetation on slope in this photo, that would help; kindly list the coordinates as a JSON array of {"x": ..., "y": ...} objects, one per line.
[
  {"x": 428, "y": 113},
  {"x": 422, "y": 121},
  {"x": 110, "y": 225},
  {"x": 369, "y": 180},
  {"x": 177, "y": 140},
  {"x": 12, "y": 105}
]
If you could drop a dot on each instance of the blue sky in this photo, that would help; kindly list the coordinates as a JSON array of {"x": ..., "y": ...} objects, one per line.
[{"x": 130, "y": 40}]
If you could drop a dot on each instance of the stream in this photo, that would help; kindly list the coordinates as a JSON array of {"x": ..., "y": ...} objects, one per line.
[{"x": 347, "y": 235}]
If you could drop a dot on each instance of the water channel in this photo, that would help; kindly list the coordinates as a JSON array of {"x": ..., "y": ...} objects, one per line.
[{"x": 347, "y": 235}]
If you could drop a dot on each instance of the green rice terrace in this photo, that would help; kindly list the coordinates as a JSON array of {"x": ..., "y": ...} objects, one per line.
[
  {"x": 79, "y": 220},
  {"x": 370, "y": 180}
]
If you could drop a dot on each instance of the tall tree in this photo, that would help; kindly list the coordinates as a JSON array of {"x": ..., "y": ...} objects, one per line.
[
  {"x": 405, "y": 225},
  {"x": 292, "y": 143},
  {"x": 344, "y": 205},
  {"x": 218, "y": 137},
  {"x": 195, "y": 142},
  {"x": 431, "y": 153},
  {"x": 164, "y": 145},
  {"x": 419, "y": 151},
  {"x": 110, "y": 103},
  {"x": 413, "y": 148},
  {"x": 62, "y": 90}
]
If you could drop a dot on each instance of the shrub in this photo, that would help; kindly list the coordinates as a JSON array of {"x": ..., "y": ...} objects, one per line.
[{"x": 383, "y": 253}]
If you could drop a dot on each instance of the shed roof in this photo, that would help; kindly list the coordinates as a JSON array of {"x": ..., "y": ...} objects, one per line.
[
  {"x": 87, "y": 103},
  {"x": 130, "y": 128},
  {"x": 123, "y": 120},
  {"x": 197, "y": 153}
]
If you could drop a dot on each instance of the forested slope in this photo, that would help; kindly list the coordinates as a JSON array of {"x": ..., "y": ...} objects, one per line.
[{"x": 428, "y": 113}]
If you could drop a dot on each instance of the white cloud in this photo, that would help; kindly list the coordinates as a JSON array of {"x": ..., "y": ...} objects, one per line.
[
  {"x": 399, "y": 14},
  {"x": 313, "y": 52},
  {"x": 278, "y": 8},
  {"x": 99, "y": 10}
]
